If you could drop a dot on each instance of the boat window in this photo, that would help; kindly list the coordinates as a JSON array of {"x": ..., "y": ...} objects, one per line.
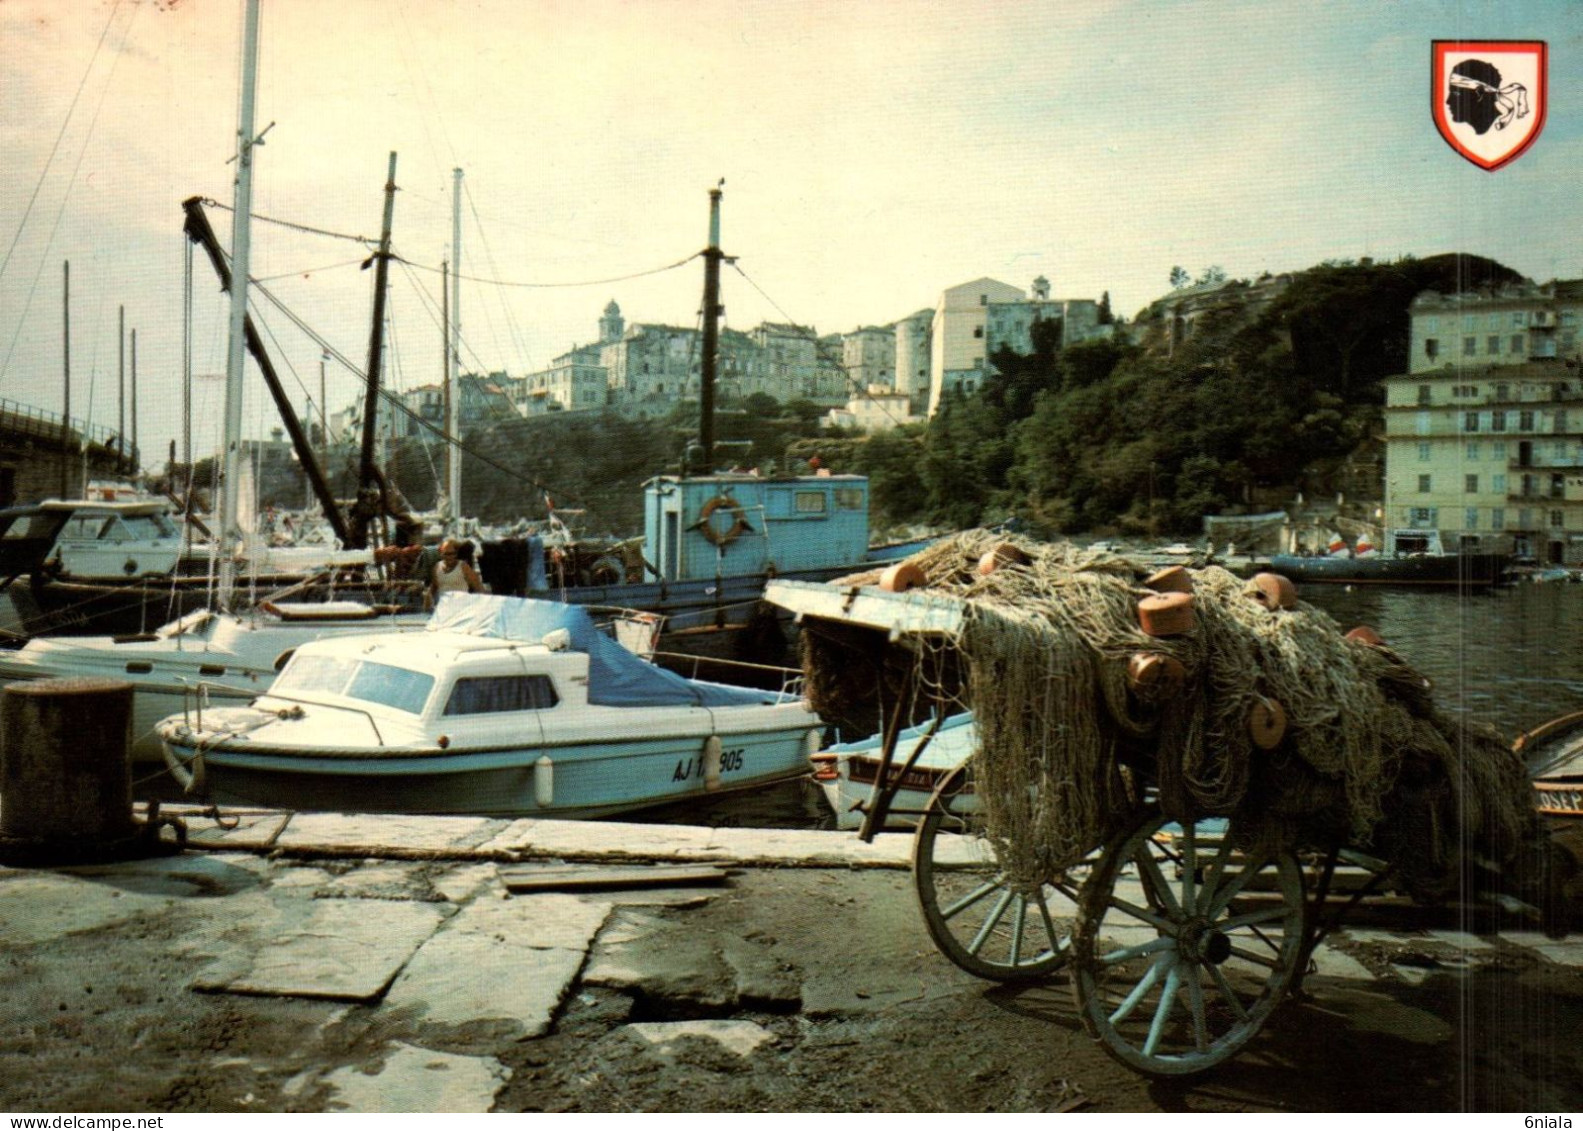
[
  {"x": 316, "y": 673},
  {"x": 391, "y": 687},
  {"x": 849, "y": 498},
  {"x": 89, "y": 527},
  {"x": 488, "y": 694},
  {"x": 809, "y": 502},
  {"x": 356, "y": 679},
  {"x": 142, "y": 526}
]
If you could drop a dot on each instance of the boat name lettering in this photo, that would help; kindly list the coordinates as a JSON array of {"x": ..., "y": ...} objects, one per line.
[
  {"x": 1559, "y": 1121},
  {"x": 730, "y": 761}
]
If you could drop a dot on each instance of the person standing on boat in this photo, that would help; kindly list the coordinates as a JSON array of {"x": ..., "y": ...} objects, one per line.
[{"x": 453, "y": 572}]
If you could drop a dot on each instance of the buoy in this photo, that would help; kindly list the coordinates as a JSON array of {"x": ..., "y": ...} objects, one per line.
[
  {"x": 1363, "y": 634},
  {"x": 901, "y": 577},
  {"x": 826, "y": 767},
  {"x": 544, "y": 782},
  {"x": 1267, "y": 723},
  {"x": 1166, "y": 614},
  {"x": 1153, "y": 671},
  {"x": 1171, "y": 579},
  {"x": 1272, "y": 591},
  {"x": 712, "y": 750},
  {"x": 1004, "y": 554}
]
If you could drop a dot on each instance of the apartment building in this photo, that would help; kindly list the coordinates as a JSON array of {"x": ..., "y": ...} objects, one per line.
[{"x": 1490, "y": 456}]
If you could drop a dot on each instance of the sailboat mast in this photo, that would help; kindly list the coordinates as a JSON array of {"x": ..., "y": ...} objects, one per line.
[
  {"x": 711, "y": 346},
  {"x": 65, "y": 412},
  {"x": 367, "y": 478},
  {"x": 453, "y": 462},
  {"x": 241, "y": 238}
]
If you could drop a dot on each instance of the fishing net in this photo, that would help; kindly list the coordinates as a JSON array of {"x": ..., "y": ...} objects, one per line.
[{"x": 1066, "y": 741}]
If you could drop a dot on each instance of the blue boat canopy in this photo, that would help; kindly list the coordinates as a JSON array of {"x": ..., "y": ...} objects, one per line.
[{"x": 616, "y": 678}]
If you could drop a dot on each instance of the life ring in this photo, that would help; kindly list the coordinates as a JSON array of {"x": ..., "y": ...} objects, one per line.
[
  {"x": 605, "y": 571},
  {"x": 708, "y": 529}
]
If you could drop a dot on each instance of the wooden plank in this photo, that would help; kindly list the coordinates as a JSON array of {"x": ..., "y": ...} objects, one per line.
[
  {"x": 595, "y": 877},
  {"x": 918, "y": 611}
]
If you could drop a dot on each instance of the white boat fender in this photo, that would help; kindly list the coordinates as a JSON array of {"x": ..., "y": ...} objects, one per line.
[
  {"x": 557, "y": 640},
  {"x": 712, "y": 752},
  {"x": 544, "y": 782}
]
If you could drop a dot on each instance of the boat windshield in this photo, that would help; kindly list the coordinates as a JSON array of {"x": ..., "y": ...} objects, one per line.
[{"x": 381, "y": 684}]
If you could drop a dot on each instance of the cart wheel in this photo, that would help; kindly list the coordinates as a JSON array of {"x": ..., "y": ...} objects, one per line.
[
  {"x": 1184, "y": 946},
  {"x": 986, "y": 926}
]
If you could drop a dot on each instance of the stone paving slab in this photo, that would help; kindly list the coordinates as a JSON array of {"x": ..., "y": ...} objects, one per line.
[
  {"x": 342, "y": 950},
  {"x": 36, "y": 906},
  {"x": 739, "y": 1037},
  {"x": 415, "y": 1079},
  {"x": 1332, "y": 963},
  {"x": 385, "y": 831},
  {"x": 510, "y": 961},
  {"x": 1564, "y": 952}
]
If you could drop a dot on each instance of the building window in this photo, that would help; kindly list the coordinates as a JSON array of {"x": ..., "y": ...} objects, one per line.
[
  {"x": 1559, "y": 449},
  {"x": 1432, "y": 325},
  {"x": 1558, "y": 485},
  {"x": 1422, "y": 517},
  {"x": 1470, "y": 422},
  {"x": 1498, "y": 450},
  {"x": 1470, "y": 346},
  {"x": 1431, "y": 347},
  {"x": 1492, "y": 344},
  {"x": 1423, "y": 394},
  {"x": 1423, "y": 451},
  {"x": 1470, "y": 519},
  {"x": 1517, "y": 343},
  {"x": 1471, "y": 484},
  {"x": 1525, "y": 420},
  {"x": 1424, "y": 484},
  {"x": 1497, "y": 421},
  {"x": 1558, "y": 519},
  {"x": 1472, "y": 451},
  {"x": 983, "y": 300},
  {"x": 1519, "y": 318},
  {"x": 1560, "y": 418},
  {"x": 1497, "y": 517},
  {"x": 1421, "y": 423},
  {"x": 1503, "y": 392},
  {"x": 978, "y": 331},
  {"x": 1498, "y": 484}
]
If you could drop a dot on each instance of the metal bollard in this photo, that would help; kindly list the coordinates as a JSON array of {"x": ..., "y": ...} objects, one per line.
[{"x": 66, "y": 773}]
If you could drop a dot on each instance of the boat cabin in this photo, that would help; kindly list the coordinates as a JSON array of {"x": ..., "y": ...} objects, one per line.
[
  {"x": 89, "y": 539},
  {"x": 436, "y": 677},
  {"x": 699, "y": 527}
]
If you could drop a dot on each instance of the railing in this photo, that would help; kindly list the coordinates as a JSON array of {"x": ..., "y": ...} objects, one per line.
[
  {"x": 791, "y": 679},
  {"x": 29, "y": 420}
]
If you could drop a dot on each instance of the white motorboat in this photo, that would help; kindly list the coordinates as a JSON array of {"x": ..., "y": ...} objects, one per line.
[{"x": 504, "y": 706}]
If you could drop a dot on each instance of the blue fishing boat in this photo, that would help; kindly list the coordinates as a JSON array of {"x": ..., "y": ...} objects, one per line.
[{"x": 503, "y": 707}]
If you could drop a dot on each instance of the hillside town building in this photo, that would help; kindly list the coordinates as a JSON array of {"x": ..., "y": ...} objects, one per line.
[{"x": 1484, "y": 434}]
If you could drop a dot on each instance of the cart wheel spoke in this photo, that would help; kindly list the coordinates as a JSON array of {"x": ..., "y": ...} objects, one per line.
[
  {"x": 1145, "y": 984},
  {"x": 978, "y": 916},
  {"x": 1195, "y": 1003},
  {"x": 1178, "y": 986}
]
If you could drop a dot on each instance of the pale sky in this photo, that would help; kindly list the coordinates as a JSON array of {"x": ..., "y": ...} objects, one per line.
[{"x": 874, "y": 154}]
